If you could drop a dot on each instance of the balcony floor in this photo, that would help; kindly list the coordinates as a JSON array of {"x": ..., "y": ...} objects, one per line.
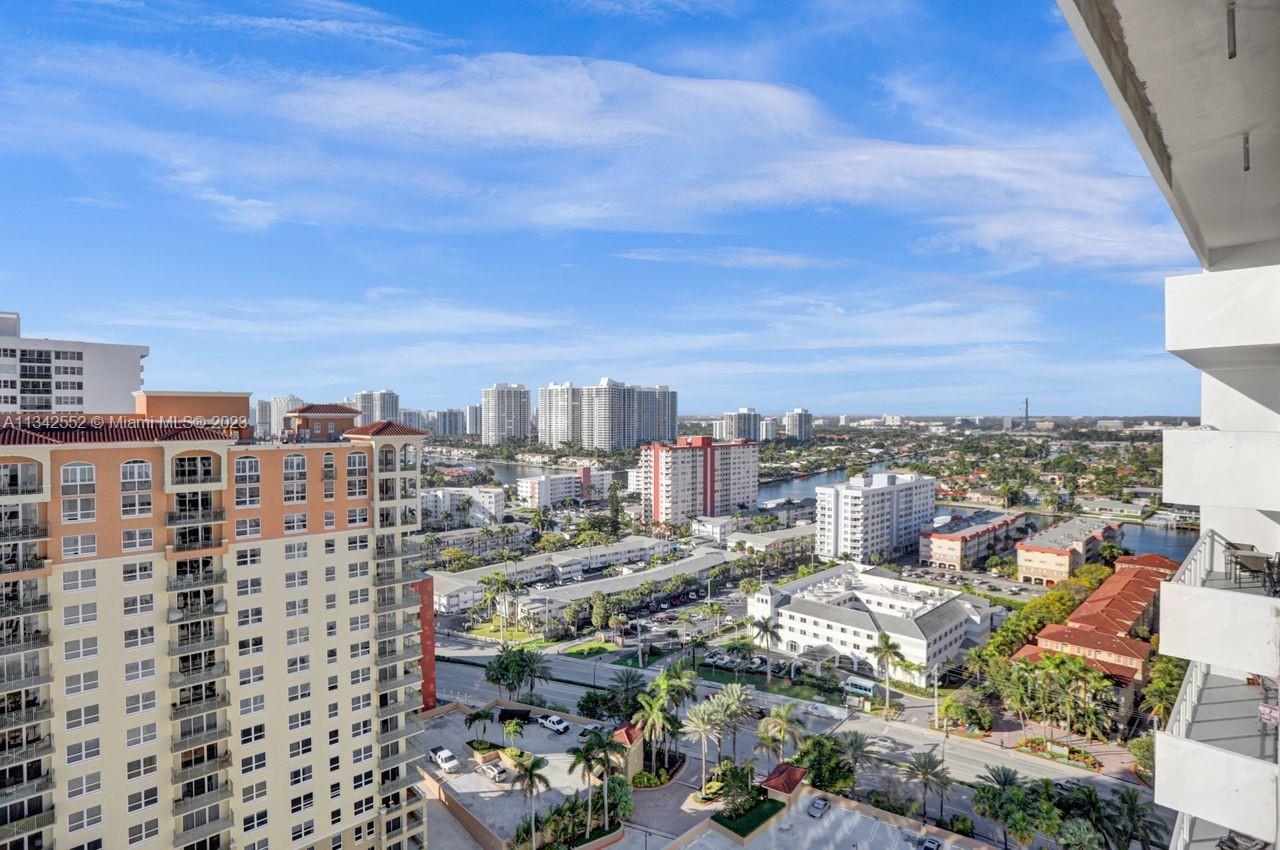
[
  {"x": 1204, "y": 835},
  {"x": 1248, "y": 583},
  {"x": 1227, "y": 718}
]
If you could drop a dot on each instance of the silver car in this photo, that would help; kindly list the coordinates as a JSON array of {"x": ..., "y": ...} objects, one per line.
[{"x": 819, "y": 807}]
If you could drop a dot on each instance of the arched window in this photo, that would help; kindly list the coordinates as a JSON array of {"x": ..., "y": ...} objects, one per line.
[
  {"x": 328, "y": 462},
  {"x": 135, "y": 475},
  {"x": 357, "y": 465},
  {"x": 248, "y": 470},
  {"x": 295, "y": 468},
  {"x": 78, "y": 479}
]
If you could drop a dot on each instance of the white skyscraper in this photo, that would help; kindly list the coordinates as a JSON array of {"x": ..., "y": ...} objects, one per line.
[
  {"x": 505, "y": 414},
  {"x": 768, "y": 428},
  {"x": 414, "y": 419},
  {"x": 451, "y": 422},
  {"x": 608, "y": 416},
  {"x": 559, "y": 414},
  {"x": 280, "y": 405},
  {"x": 475, "y": 420},
  {"x": 874, "y": 514},
  {"x": 376, "y": 405},
  {"x": 742, "y": 424},
  {"x": 39, "y": 375},
  {"x": 798, "y": 425},
  {"x": 262, "y": 419},
  {"x": 656, "y": 414}
]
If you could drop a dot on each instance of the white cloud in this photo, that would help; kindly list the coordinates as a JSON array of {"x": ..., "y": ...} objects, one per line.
[{"x": 738, "y": 257}]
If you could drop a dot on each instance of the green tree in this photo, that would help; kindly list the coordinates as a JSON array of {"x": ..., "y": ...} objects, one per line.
[
  {"x": 531, "y": 779},
  {"x": 887, "y": 653},
  {"x": 481, "y": 717},
  {"x": 783, "y": 723},
  {"x": 855, "y": 748},
  {"x": 1079, "y": 834},
  {"x": 512, "y": 731},
  {"x": 1132, "y": 819},
  {"x": 926, "y": 767},
  {"x": 702, "y": 725},
  {"x": 767, "y": 633},
  {"x": 582, "y": 758}
]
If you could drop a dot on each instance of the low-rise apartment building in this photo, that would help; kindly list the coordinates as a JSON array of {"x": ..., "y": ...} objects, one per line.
[
  {"x": 210, "y": 642},
  {"x": 548, "y": 491},
  {"x": 1055, "y": 553},
  {"x": 842, "y": 611},
  {"x": 485, "y": 540},
  {"x": 698, "y": 476},
  {"x": 796, "y": 540},
  {"x": 474, "y": 506},
  {"x": 959, "y": 543},
  {"x": 788, "y": 512}
]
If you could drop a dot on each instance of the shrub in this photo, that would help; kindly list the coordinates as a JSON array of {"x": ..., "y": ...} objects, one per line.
[
  {"x": 620, "y": 802},
  {"x": 645, "y": 779},
  {"x": 750, "y": 820},
  {"x": 482, "y": 746},
  {"x": 960, "y": 825},
  {"x": 1143, "y": 751}
]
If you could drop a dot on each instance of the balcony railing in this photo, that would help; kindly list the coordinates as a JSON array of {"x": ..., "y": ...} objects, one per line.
[
  {"x": 409, "y": 652},
  {"x": 26, "y": 716},
  {"x": 22, "y": 488},
  {"x": 35, "y": 748},
  {"x": 24, "y": 643},
  {"x": 199, "y": 676},
  {"x": 25, "y": 565},
  {"x": 32, "y": 680},
  {"x": 185, "y": 478},
  {"x": 203, "y": 768},
  {"x": 199, "y": 739},
  {"x": 198, "y": 612},
  {"x": 408, "y": 728},
  {"x": 28, "y": 605},
  {"x": 404, "y": 680},
  {"x": 31, "y": 823},
  {"x": 196, "y": 545},
  {"x": 208, "y": 798},
  {"x": 408, "y": 752},
  {"x": 16, "y": 532},
  {"x": 204, "y": 830},
  {"x": 403, "y": 783},
  {"x": 406, "y": 601},
  {"x": 387, "y": 578},
  {"x": 26, "y": 788},
  {"x": 412, "y": 627},
  {"x": 181, "y": 711},
  {"x": 407, "y": 702},
  {"x": 195, "y": 580},
  {"x": 208, "y": 515},
  {"x": 201, "y": 644}
]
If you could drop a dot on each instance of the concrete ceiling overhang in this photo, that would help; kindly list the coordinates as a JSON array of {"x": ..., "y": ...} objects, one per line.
[{"x": 1188, "y": 107}]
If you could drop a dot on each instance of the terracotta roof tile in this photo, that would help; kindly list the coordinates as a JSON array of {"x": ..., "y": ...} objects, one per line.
[
  {"x": 137, "y": 431},
  {"x": 326, "y": 410},
  {"x": 628, "y": 733},
  {"x": 1092, "y": 639},
  {"x": 1149, "y": 560},
  {"x": 386, "y": 428},
  {"x": 784, "y": 778},
  {"x": 1032, "y": 654}
]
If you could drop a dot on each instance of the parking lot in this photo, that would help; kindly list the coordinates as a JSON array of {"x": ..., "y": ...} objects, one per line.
[
  {"x": 983, "y": 582},
  {"x": 499, "y": 805}
]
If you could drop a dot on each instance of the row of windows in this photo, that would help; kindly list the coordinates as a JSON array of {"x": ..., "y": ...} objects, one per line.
[{"x": 79, "y": 477}]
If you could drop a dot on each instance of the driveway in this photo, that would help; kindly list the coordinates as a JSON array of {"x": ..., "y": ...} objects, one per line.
[{"x": 667, "y": 810}]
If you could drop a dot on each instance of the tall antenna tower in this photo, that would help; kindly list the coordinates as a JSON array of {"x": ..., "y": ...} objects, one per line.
[{"x": 1026, "y": 414}]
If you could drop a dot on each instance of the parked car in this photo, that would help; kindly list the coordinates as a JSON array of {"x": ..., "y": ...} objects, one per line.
[
  {"x": 447, "y": 761},
  {"x": 587, "y": 730},
  {"x": 928, "y": 842},
  {"x": 819, "y": 807},
  {"x": 495, "y": 771},
  {"x": 553, "y": 722}
]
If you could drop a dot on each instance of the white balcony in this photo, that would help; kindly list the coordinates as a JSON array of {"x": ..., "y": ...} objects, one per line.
[
  {"x": 1230, "y": 469},
  {"x": 1217, "y": 759},
  {"x": 1224, "y": 319},
  {"x": 1210, "y": 613}
]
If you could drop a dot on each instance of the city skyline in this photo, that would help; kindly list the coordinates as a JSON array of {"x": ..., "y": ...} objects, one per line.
[{"x": 908, "y": 225}]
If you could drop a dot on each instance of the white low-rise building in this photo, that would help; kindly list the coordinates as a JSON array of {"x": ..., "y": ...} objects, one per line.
[
  {"x": 547, "y": 491},
  {"x": 782, "y": 540},
  {"x": 844, "y": 609},
  {"x": 464, "y": 505},
  {"x": 871, "y": 515}
]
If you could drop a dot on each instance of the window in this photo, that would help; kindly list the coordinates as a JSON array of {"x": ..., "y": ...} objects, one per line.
[
  {"x": 330, "y": 519},
  {"x": 138, "y": 703},
  {"x": 298, "y": 636},
  {"x": 84, "y": 819},
  {"x": 139, "y": 768},
  {"x": 146, "y": 831},
  {"x": 298, "y": 664},
  {"x": 295, "y": 479},
  {"x": 362, "y": 780},
  {"x": 357, "y": 516},
  {"x": 257, "y": 820},
  {"x": 87, "y": 716},
  {"x": 135, "y": 476},
  {"x": 140, "y": 800},
  {"x": 330, "y": 601},
  {"x": 299, "y": 691},
  {"x": 248, "y": 587},
  {"x": 250, "y": 646},
  {"x": 138, "y": 572},
  {"x": 300, "y": 720},
  {"x": 248, "y": 470},
  {"x": 363, "y": 702},
  {"x": 248, "y": 557},
  {"x": 143, "y": 604},
  {"x": 359, "y": 623},
  {"x": 248, "y": 496},
  {"x": 253, "y": 763},
  {"x": 297, "y": 608},
  {"x": 299, "y": 776},
  {"x": 361, "y": 728},
  {"x": 363, "y": 806},
  {"x": 302, "y": 803},
  {"x": 83, "y": 751},
  {"x": 252, "y": 705},
  {"x": 139, "y": 735},
  {"x": 81, "y": 683},
  {"x": 359, "y": 596},
  {"x": 256, "y": 791},
  {"x": 81, "y": 786},
  {"x": 134, "y": 505},
  {"x": 78, "y": 479},
  {"x": 357, "y": 543},
  {"x": 249, "y": 527},
  {"x": 359, "y": 569},
  {"x": 79, "y": 615},
  {"x": 360, "y": 649},
  {"x": 249, "y": 617},
  {"x": 137, "y": 638},
  {"x": 136, "y": 671},
  {"x": 250, "y": 734},
  {"x": 252, "y": 675},
  {"x": 79, "y": 545},
  {"x": 78, "y": 650},
  {"x": 294, "y": 580},
  {"x": 303, "y": 830},
  {"x": 361, "y": 676},
  {"x": 136, "y": 539},
  {"x": 361, "y": 754},
  {"x": 85, "y": 579}
]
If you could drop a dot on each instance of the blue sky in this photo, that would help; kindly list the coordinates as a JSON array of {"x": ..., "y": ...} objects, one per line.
[{"x": 881, "y": 206}]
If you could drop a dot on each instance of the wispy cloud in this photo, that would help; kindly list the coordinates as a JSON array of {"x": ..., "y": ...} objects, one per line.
[
  {"x": 656, "y": 9},
  {"x": 735, "y": 258}
]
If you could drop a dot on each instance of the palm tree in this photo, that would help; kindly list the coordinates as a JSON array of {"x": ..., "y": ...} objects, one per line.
[
  {"x": 925, "y": 767},
  {"x": 767, "y": 745},
  {"x": 695, "y": 643},
  {"x": 584, "y": 760},
  {"x": 608, "y": 752},
  {"x": 766, "y": 631},
  {"x": 1079, "y": 834},
  {"x": 1133, "y": 819},
  {"x": 702, "y": 725},
  {"x": 535, "y": 666},
  {"x": 782, "y": 723},
  {"x": 625, "y": 685},
  {"x": 855, "y": 748},
  {"x": 511, "y": 731},
  {"x": 531, "y": 779},
  {"x": 652, "y": 721},
  {"x": 484, "y": 718},
  {"x": 886, "y": 652},
  {"x": 737, "y": 707}
]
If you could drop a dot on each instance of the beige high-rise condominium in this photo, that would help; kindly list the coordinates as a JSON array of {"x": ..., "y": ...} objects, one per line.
[{"x": 209, "y": 642}]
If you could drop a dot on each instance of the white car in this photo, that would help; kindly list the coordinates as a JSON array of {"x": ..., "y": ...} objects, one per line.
[
  {"x": 495, "y": 771},
  {"x": 447, "y": 761},
  {"x": 554, "y": 723}
]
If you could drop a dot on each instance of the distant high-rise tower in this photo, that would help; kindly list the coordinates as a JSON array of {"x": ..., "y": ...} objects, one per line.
[
  {"x": 741, "y": 424},
  {"x": 475, "y": 420},
  {"x": 559, "y": 414},
  {"x": 798, "y": 425},
  {"x": 505, "y": 414},
  {"x": 280, "y": 405},
  {"x": 376, "y": 405}
]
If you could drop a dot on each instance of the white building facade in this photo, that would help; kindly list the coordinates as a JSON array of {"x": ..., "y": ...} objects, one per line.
[
  {"x": 740, "y": 424},
  {"x": 697, "y": 476},
  {"x": 504, "y": 414},
  {"x": 454, "y": 506},
  {"x": 798, "y": 425},
  {"x": 871, "y": 515},
  {"x": 606, "y": 417},
  {"x": 376, "y": 405}
]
